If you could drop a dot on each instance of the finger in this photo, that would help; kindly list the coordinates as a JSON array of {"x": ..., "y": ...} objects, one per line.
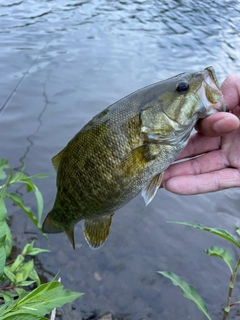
[
  {"x": 207, "y": 182},
  {"x": 218, "y": 124},
  {"x": 198, "y": 144},
  {"x": 209, "y": 162},
  {"x": 231, "y": 91}
]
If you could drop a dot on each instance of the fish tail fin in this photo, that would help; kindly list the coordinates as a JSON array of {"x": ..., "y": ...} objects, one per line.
[
  {"x": 96, "y": 231},
  {"x": 50, "y": 226}
]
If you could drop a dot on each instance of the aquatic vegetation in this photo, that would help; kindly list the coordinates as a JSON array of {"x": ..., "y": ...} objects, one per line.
[
  {"x": 16, "y": 302},
  {"x": 189, "y": 291}
]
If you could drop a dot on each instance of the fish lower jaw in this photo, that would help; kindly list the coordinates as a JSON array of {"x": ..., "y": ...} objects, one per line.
[
  {"x": 220, "y": 106},
  {"x": 211, "y": 99}
]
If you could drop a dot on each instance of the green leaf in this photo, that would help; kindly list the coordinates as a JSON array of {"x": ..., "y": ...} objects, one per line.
[
  {"x": 3, "y": 209},
  {"x": 31, "y": 251},
  {"x": 18, "y": 200},
  {"x": 2, "y": 261},
  {"x": 23, "y": 272},
  {"x": 7, "y": 295},
  {"x": 25, "y": 283},
  {"x": 39, "y": 176},
  {"x": 8, "y": 241},
  {"x": 39, "y": 198},
  {"x": 219, "y": 232},
  {"x": 3, "y": 229},
  {"x": 7, "y": 183},
  {"x": 29, "y": 184},
  {"x": 3, "y": 165},
  {"x": 2, "y": 255},
  {"x": 188, "y": 291},
  {"x": 32, "y": 187},
  {"x": 43, "y": 299},
  {"x": 9, "y": 274},
  {"x": 36, "y": 251},
  {"x": 2, "y": 240},
  {"x": 23, "y": 316},
  {"x": 221, "y": 253},
  {"x": 21, "y": 292},
  {"x": 19, "y": 175},
  {"x": 16, "y": 264},
  {"x": 3, "y": 307},
  {"x": 27, "y": 248},
  {"x": 34, "y": 276}
]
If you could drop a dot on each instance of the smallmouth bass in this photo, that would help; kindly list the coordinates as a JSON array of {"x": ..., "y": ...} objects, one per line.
[{"x": 125, "y": 149}]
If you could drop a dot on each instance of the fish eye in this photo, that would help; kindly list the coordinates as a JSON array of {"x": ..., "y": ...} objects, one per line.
[{"x": 182, "y": 87}]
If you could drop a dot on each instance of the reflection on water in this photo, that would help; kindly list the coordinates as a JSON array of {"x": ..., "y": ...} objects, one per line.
[{"x": 64, "y": 61}]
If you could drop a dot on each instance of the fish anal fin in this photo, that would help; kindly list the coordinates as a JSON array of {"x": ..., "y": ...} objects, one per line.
[
  {"x": 56, "y": 159},
  {"x": 150, "y": 190},
  {"x": 50, "y": 226},
  {"x": 96, "y": 231},
  {"x": 70, "y": 234}
]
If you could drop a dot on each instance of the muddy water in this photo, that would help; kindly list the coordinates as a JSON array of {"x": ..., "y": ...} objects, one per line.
[{"x": 61, "y": 63}]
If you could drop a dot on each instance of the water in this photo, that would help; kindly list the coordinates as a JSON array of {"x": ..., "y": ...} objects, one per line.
[{"x": 61, "y": 63}]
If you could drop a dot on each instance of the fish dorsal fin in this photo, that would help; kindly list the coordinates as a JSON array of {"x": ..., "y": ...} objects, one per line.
[
  {"x": 149, "y": 191},
  {"x": 70, "y": 234},
  {"x": 96, "y": 231},
  {"x": 56, "y": 159},
  {"x": 49, "y": 226}
]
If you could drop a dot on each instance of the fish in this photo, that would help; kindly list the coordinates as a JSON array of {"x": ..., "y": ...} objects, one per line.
[{"x": 125, "y": 149}]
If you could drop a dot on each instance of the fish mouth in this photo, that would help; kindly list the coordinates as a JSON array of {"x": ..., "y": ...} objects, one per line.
[{"x": 210, "y": 93}]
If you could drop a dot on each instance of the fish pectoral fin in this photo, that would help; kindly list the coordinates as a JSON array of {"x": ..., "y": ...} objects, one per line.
[
  {"x": 70, "y": 234},
  {"x": 96, "y": 231},
  {"x": 135, "y": 161},
  {"x": 56, "y": 159},
  {"x": 149, "y": 191}
]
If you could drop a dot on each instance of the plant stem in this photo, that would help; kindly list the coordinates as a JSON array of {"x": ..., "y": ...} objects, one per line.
[
  {"x": 7, "y": 288},
  {"x": 231, "y": 286}
]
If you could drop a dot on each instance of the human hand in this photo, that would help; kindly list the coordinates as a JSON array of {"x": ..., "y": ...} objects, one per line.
[{"x": 217, "y": 147}]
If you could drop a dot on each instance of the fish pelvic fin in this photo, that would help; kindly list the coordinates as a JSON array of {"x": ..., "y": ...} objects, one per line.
[
  {"x": 150, "y": 190},
  {"x": 70, "y": 234},
  {"x": 56, "y": 160},
  {"x": 96, "y": 231},
  {"x": 50, "y": 226}
]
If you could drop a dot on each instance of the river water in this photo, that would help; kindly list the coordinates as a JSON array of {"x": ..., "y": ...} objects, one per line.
[{"x": 61, "y": 63}]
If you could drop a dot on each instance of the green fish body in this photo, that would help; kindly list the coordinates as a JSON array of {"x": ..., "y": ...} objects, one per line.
[{"x": 125, "y": 149}]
